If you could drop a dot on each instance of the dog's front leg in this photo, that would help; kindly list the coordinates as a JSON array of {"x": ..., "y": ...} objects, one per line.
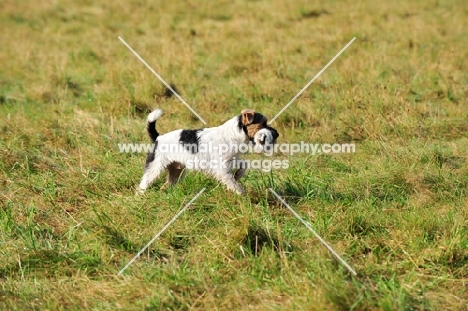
[
  {"x": 227, "y": 178},
  {"x": 240, "y": 172},
  {"x": 241, "y": 167}
]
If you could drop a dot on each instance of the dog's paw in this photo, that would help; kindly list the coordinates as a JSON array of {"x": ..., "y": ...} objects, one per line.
[{"x": 240, "y": 191}]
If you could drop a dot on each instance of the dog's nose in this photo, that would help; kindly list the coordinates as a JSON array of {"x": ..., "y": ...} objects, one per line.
[
  {"x": 275, "y": 135},
  {"x": 273, "y": 132}
]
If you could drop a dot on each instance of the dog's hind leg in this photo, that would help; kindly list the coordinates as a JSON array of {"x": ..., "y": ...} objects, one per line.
[
  {"x": 175, "y": 172},
  {"x": 152, "y": 171}
]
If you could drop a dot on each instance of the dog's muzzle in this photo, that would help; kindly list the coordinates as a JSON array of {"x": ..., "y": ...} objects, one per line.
[{"x": 266, "y": 136}]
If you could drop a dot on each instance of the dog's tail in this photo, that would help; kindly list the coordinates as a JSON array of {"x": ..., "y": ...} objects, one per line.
[{"x": 151, "y": 124}]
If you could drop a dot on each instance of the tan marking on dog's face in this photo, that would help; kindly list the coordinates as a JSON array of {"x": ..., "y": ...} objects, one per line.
[{"x": 253, "y": 122}]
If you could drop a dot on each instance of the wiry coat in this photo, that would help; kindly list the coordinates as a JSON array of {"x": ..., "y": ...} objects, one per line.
[{"x": 204, "y": 145}]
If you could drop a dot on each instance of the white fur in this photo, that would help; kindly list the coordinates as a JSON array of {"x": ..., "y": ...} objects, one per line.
[
  {"x": 264, "y": 137},
  {"x": 154, "y": 115}
]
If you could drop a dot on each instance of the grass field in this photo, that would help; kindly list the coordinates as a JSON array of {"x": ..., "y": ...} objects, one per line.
[{"x": 396, "y": 209}]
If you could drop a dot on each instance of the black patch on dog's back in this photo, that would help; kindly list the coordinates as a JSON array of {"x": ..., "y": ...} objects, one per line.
[{"x": 189, "y": 139}]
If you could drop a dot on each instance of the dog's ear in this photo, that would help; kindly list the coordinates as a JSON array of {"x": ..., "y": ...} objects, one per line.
[{"x": 247, "y": 116}]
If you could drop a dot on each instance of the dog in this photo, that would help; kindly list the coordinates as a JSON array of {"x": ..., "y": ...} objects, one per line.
[{"x": 182, "y": 150}]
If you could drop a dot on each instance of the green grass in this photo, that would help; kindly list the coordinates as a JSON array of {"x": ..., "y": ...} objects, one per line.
[{"x": 396, "y": 210}]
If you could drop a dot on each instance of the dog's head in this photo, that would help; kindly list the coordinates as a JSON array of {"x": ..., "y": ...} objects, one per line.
[{"x": 255, "y": 127}]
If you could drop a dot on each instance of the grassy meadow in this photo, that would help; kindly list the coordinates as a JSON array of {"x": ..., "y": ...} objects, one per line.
[{"x": 396, "y": 210}]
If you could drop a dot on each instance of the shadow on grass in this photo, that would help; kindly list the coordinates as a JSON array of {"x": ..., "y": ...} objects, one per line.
[
  {"x": 382, "y": 292},
  {"x": 296, "y": 190},
  {"x": 117, "y": 240},
  {"x": 48, "y": 262},
  {"x": 361, "y": 226},
  {"x": 393, "y": 188},
  {"x": 258, "y": 238}
]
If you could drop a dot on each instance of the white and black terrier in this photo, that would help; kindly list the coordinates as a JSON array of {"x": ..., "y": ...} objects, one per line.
[{"x": 213, "y": 151}]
